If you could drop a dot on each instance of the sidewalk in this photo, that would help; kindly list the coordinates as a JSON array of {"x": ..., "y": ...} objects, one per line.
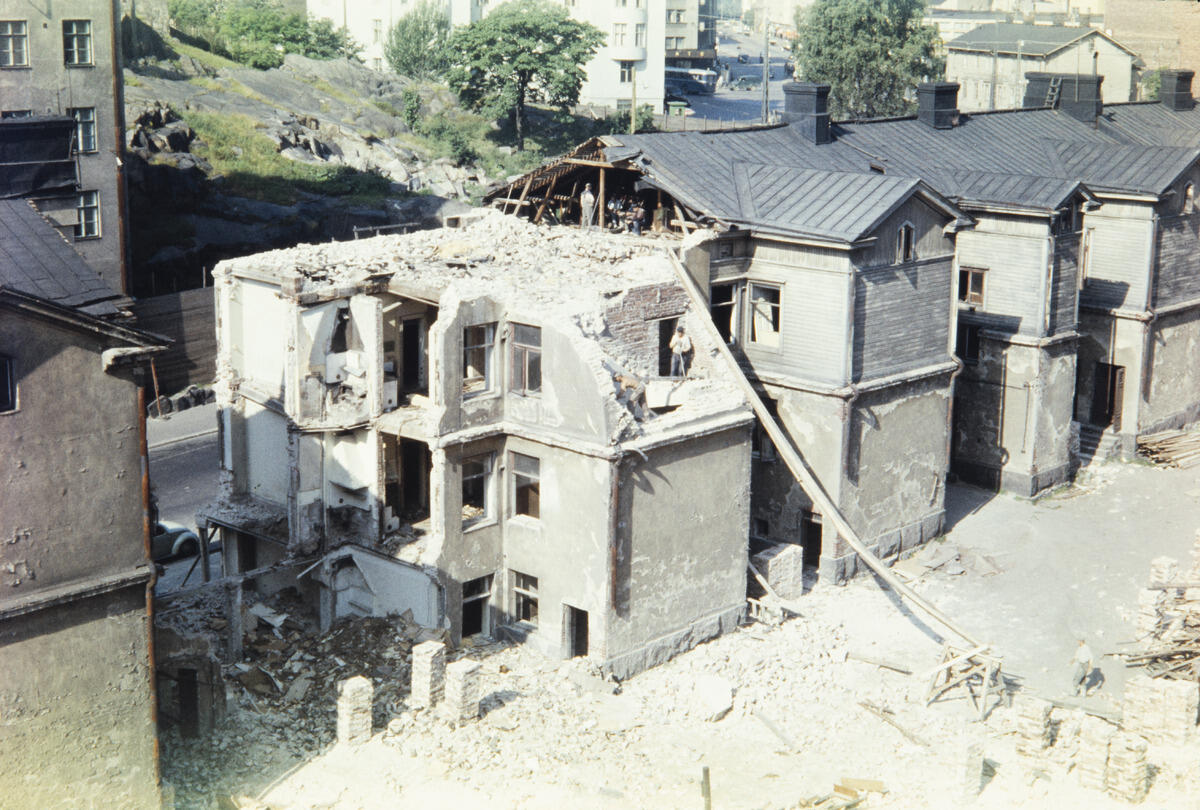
[{"x": 177, "y": 427}]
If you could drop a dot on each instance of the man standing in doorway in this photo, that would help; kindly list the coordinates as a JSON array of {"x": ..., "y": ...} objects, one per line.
[
  {"x": 1083, "y": 667},
  {"x": 681, "y": 352},
  {"x": 587, "y": 205}
]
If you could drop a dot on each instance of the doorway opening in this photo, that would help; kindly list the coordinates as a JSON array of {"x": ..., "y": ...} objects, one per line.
[
  {"x": 476, "y": 595},
  {"x": 406, "y": 485},
  {"x": 1108, "y": 394},
  {"x": 666, "y": 330},
  {"x": 810, "y": 538},
  {"x": 577, "y": 631},
  {"x": 412, "y": 356}
]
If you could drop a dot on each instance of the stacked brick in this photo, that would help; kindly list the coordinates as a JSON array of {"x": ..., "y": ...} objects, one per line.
[
  {"x": 1150, "y": 604},
  {"x": 428, "y": 674},
  {"x": 1034, "y": 732},
  {"x": 1091, "y": 760},
  {"x": 463, "y": 685},
  {"x": 1128, "y": 775},
  {"x": 354, "y": 699},
  {"x": 1162, "y": 710},
  {"x": 782, "y": 565}
]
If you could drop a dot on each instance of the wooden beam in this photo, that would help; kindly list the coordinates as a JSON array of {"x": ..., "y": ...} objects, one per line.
[
  {"x": 600, "y": 164},
  {"x": 545, "y": 200},
  {"x": 601, "y": 201},
  {"x": 521, "y": 201}
]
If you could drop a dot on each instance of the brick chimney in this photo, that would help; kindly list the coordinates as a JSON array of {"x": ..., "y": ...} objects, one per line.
[
  {"x": 1176, "y": 90},
  {"x": 937, "y": 104},
  {"x": 806, "y": 109},
  {"x": 1076, "y": 94}
]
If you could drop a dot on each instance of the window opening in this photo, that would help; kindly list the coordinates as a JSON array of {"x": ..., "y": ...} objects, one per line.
[
  {"x": 765, "y": 317},
  {"x": 970, "y": 285},
  {"x": 526, "y": 485},
  {"x": 477, "y": 358},
  {"x": 88, "y": 211},
  {"x": 476, "y": 489},
  {"x": 905, "y": 246},
  {"x": 14, "y": 44},
  {"x": 475, "y": 597},
  {"x": 77, "y": 42},
  {"x": 721, "y": 307},
  {"x": 526, "y": 359},
  {"x": 967, "y": 343},
  {"x": 525, "y": 597},
  {"x": 85, "y": 128},
  {"x": 8, "y": 384}
]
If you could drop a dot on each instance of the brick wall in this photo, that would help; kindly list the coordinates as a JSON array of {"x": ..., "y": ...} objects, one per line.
[
  {"x": 1165, "y": 33},
  {"x": 633, "y": 323}
]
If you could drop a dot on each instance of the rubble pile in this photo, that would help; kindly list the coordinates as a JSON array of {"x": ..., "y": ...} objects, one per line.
[{"x": 1168, "y": 621}]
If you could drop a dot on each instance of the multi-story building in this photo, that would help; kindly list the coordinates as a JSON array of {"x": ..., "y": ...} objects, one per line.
[
  {"x": 1073, "y": 277},
  {"x": 77, "y": 692},
  {"x": 990, "y": 62},
  {"x": 477, "y": 426},
  {"x": 691, "y": 33},
  {"x": 368, "y": 21},
  {"x": 65, "y": 59}
]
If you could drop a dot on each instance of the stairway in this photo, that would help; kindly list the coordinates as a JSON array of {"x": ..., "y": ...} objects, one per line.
[{"x": 1096, "y": 444}]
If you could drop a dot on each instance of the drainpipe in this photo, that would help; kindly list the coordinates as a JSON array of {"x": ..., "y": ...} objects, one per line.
[{"x": 144, "y": 453}]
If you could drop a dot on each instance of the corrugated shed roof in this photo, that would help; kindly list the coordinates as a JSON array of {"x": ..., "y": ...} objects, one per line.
[
  {"x": 36, "y": 260},
  {"x": 1030, "y": 40}
]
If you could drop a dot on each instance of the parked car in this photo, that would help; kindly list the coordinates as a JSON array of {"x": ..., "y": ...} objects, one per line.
[
  {"x": 684, "y": 87},
  {"x": 750, "y": 81},
  {"x": 172, "y": 540}
]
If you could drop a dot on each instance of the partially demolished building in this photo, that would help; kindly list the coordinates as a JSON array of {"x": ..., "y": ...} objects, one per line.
[
  {"x": 1071, "y": 281},
  {"x": 479, "y": 426}
]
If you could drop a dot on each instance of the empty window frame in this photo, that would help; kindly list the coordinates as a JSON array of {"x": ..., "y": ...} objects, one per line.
[
  {"x": 14, "y": 44},
  {"x": 765, "y": 315},
  {"x": 77, "y": 42},
  {"x": 85, "y": 128},
  {"x": 87, "y": 226},
  {"x": 721, "y": 306},
  {"x": 477, "y": 489},
  {"x": 478, "y": 343},
  {"x": 906, "y": 247},
  {"x": 1189, "y": 198},
  {"x": 970, "y": 285},
  {"x": 526, "y": 478},
  {"x": 8, "y": 384},
  {"x": 967, "y": 344},
  {"x": 475, "y": 596},
  {"x": 526, "y": 376},
  {"x": 1065, "y": 220},
  {"x": 525, "y": 597}
]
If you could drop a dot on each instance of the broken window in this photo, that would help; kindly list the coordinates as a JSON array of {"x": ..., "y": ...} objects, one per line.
[
  {"x": 525, "y": 597},
  {"x": 764, "y": 315},
  {"x": 721, "y": 306},
  {"x": 88, "y": 209},
  {"x": 526, "y": 485},
  {"x": 8, "y": 384},
  {"x": 970, "y": 285},
  {"x": 906, "y": 250},
  {"x": 1064, "y": 220},
  {"x": 526, "y": 359},
  {"x": 340, "y": 338},
  {"x": 14, "y": 44},
  {"x": 475, "y": 596},
  {"x": 77, "y": 42},
  {"x": 477, "y": 358},
  {"x": 967, "y": 345},
  {"x": 476, "y": 489}
]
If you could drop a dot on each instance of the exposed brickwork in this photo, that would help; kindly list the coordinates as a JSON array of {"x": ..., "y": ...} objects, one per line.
[
  {"x": 633, "y": 321},
  {"x": 1165, "y": 33}
]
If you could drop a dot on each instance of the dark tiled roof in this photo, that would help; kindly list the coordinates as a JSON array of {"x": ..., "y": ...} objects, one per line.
[
  {"x": 1032, "y": 40},
  {"x": 36, "y": 260}
]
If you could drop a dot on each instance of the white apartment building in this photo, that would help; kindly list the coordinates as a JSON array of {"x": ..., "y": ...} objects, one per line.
[{"x": 368, "y": 22}]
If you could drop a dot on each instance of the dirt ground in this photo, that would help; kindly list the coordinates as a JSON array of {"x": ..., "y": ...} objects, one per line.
[{"x": 774, "y": 712}]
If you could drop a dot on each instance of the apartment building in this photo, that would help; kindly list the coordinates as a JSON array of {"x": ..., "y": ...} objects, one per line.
[
  {"x": 368, "y": 21},
  {"x": 65, "y": 59},
  {"x": 479, "y": 426}
]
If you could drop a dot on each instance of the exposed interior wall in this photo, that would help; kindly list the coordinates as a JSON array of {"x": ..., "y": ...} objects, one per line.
[
  {"x": 265, "y": 465},
  {"x": 78, "y": 726},
  {"x": 257, "y": 318},
  {"x": 681, "y": 562},
  {"x": 70, "y": 497}
]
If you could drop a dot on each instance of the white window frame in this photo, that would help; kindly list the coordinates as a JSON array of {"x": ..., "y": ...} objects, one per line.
[
  {"x": 13, "y": 32},
  {"x": 619, "y": 33},
  {"x": 81, "y": 51},
  {"x": 524, "y": 586},
  {"x": 774, "y": 338},
  {"x": 87, "y": 211},
  {"x": 521, "y": 469},
  {"x": 965, "y": 294},
  {"x": 85, "y": 123},
  {"x": 520, "y": 355}
]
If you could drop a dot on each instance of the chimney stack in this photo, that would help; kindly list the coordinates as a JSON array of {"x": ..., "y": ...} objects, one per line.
[
  {"x": 1176, "y": 90},
  {"x": 1076, "y": 94},
  {"x": 937, "y": 104},
  {"x": 806, "y": 108}
]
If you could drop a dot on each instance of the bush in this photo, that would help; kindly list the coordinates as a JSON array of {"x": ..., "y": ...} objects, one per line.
[
  {"x": 258, "y": 32},
  {"x": 411, "y": 115}
]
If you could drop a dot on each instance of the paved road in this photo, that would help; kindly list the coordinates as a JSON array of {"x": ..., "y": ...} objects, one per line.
[{"x": 743, "y": 105}]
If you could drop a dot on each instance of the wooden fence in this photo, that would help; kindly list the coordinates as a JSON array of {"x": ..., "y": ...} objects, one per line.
[{"x": 188, "y": 318}]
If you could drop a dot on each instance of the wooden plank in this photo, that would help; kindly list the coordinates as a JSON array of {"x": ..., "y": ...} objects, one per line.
[
  {"x": 866, "y": 659},
  {"x": 777, "y": 731},
  {"x": 957, "y": 660},
  {"x": 545, "y": 200},
  {"x": 871, "y": 785},
  {"x": 891, "y": 721},
  {"x": 601, "y": 164}
]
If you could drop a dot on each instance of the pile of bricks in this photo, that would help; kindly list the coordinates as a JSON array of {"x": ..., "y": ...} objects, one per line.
[
  {"x": 354, "y": 699},
  {"x": 462, "y": 691},
  {"x": 428, "y": 674},
  {"x": 454, "y": 689},
  {"x": 1091, "y": 760},
  {"x": 1034, "y": 732},
  {"x": 1128, "y": 774},
  {"x": 1161, "y": 709}
]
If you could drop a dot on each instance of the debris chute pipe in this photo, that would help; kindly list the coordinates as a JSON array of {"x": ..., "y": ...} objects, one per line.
[{"x": 799, "y": 468}]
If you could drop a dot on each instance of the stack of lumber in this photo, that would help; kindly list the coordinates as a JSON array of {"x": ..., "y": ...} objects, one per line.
[
  {"x": 1034, "y": 732},
  {"x": 1128, "y": 775},
  {"x": 1161, "y": 710},
  {"x": 1168, "y": 621},
  {"x": 1091, "y": 761},
  {"x": 1172, "y": 448}
]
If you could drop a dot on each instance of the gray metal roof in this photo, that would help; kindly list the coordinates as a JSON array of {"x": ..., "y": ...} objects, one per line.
[
  {"x": 1029, "y": 40},
  {"x": 36, "y": 260}
]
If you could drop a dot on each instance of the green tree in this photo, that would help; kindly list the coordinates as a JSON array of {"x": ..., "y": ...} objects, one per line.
[
  {"x": 524, "y": 51},
  {"x": 871, "y": 53},
  {"x": 416, "y": 45},
  {"x": 1151, "y": 85}
]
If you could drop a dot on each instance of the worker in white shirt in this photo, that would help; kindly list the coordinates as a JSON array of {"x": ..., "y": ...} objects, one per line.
[
  {"x": 1083, "y": 666},
  {"x": 681, "y": 353}
]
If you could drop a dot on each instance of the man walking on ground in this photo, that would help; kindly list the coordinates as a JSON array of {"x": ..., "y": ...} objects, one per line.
[
  {"x": 1083, "y": 666},
  {"x": 587, "y": 205},
  {"x": 681, "y": 350}
]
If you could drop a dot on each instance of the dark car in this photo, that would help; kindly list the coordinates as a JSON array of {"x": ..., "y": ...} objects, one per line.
[
  {"x": 750, "y": 81},
  {"x": 172, "y": 540},
  {"x": 684, "y": 87}
]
